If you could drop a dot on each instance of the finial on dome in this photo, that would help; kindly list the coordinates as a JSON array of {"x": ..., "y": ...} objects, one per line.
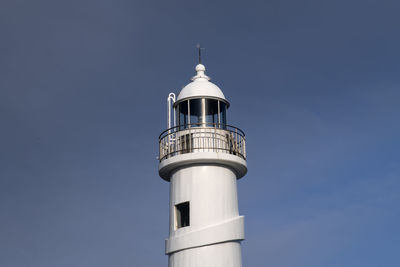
[{"x": 200, "y": 69}]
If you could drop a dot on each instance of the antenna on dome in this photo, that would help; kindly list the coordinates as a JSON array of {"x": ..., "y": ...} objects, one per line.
[{"x": 199, "y": 48}]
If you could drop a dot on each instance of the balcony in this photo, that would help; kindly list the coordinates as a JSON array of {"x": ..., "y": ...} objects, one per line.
[{"x": 204, "y": 137}]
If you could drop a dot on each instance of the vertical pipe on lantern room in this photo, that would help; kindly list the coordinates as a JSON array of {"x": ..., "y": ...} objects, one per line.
[{"x": 170, "y": 102}]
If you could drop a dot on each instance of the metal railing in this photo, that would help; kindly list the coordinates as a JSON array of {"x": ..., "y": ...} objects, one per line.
[{"x": 202, "y": 137}]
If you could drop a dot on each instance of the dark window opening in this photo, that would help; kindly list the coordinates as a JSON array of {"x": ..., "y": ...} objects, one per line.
[
  {"x": 196, "y": 112},
  {"x": 182, "y": 214},
  {"x": 211, "y": 111},
  {"x": 183, "y": 118},
  {"x": 223, "y": 114}
]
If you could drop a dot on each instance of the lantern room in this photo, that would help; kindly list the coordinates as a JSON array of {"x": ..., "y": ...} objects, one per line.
[
  {"x": 199, "y": 121},
  {"x": 201, "y": 103}
]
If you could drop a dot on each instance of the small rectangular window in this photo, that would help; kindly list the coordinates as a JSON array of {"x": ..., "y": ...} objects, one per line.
[{"x": 182, "y": 213}]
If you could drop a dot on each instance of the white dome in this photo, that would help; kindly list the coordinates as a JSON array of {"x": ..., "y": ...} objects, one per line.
[{"x": 200, "y": 87}]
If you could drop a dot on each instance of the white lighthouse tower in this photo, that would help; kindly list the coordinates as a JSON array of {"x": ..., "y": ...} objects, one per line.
[{"x": 202, "y": 157}]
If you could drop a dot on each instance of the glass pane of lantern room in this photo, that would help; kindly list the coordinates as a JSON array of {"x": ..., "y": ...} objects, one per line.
[
  {"x": 196, "y": 112},
  {"x": 183, "y": 115},
  {"x": 211, "y": 108},
  {"x": 222, "y": 114}
]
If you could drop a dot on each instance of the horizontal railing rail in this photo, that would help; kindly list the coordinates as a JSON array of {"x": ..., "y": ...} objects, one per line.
[{"x": 202, "y": 137}]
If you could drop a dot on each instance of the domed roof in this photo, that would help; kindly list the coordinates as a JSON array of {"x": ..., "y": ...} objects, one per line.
[{"x": 201, "y": 87}]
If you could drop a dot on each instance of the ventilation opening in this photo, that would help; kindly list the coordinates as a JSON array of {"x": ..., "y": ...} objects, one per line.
[{"x": 182, "y": 213}]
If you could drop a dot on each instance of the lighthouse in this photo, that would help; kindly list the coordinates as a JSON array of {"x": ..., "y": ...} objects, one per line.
[{"x": 202, "y": 157}]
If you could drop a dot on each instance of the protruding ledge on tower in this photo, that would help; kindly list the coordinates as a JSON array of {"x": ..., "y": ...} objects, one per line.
[{"x": 237, "y": 164}]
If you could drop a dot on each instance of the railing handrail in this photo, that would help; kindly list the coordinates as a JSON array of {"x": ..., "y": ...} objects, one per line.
[
  {"x": 199, "y": 126},
  {"x": 224, "y": 138}
]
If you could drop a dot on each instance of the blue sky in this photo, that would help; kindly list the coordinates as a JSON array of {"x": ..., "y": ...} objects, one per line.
[{"x": 314, "y": 85}]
